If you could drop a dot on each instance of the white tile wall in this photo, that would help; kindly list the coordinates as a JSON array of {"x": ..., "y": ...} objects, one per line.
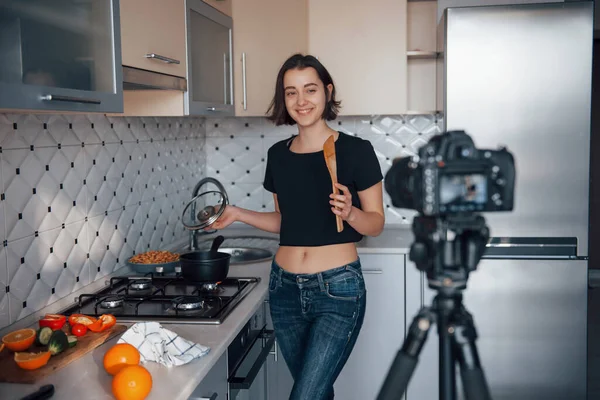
[
  {"x": 232, "y": 156},
  {"x": 80, "y": 194}
]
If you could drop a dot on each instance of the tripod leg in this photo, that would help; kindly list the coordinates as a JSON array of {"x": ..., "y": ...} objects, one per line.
[
  {"x": 472, "y": 376},
  {"x": 447, "y": 374},
  {"x": 396, "y": 381}
]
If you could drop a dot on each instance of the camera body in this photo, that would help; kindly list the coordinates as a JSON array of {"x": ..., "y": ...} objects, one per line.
[{"x": 451, "y": 176}]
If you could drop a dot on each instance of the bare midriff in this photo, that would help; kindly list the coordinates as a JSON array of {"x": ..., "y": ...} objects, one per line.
[{"x": 311, "y": 260}]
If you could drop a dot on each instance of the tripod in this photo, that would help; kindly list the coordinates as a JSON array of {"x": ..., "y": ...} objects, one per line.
[{"x": 447, "y": 264}]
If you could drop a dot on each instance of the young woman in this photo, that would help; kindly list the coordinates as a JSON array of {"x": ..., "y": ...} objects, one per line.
[{"x": 316, "y": 288}]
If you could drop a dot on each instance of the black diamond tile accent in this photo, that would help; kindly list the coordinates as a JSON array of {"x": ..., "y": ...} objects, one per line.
[
  {"x": 47, "y": 168},
  {"x": 20, "y": 215},
  {"x": 87, "y": 255},
  {"x": 72, "y": 164},
  {"x": 18, "y": 171},
  {"x": 24, "y": 304},
  {"x": 59, "y": 146},
  {"x": 77, "y": 279},
  {"x": 105, "y": 213},
  {"x": 107, "y": 247},
  {"x": 75, "y": 240},
  {"x": 74, "y": 202},
  {"x": 7, "y": 289},
  {"x": 49, "y": 209},
  {"x": 2, "y": 197},
  {"x": 95, "y": 198},
  {"x": 22, "y": 260},
  {"x": 53, "y": 290},
  {"x": 65, "y": 264},
  {"x": 98, "y": 269},
  {"x": 31, "y": 148},
  {"x": 39, "y": 276},
  {"x": 14, "y": 125},
  {"x": 63, "y": 225},
  {"x": 37, "y": 233},
  {"x": 51, "y": 249},
  {"x": 92, "y": 125},
  {"x": 97, "y": 233}
]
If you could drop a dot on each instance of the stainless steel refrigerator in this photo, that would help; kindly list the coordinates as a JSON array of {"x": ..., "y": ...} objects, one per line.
[{"x": 520, "y": 76}]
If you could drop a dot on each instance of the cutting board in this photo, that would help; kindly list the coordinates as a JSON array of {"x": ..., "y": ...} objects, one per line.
[{"x": 11, "y": 373}]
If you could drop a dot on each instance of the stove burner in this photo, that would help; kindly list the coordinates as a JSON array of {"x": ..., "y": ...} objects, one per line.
[
  {"x": 142, "y": 284},
  {"x": 209, "y": 287},
  {"x": 112, "y": 302},
  {"x": 188, "y": 303}
]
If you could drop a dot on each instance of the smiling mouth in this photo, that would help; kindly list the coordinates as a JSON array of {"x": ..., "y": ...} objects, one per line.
[{"x": 304, "y": 112}]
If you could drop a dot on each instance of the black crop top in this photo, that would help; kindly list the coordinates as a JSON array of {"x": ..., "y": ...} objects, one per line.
[{"x": 303, "y": 186}]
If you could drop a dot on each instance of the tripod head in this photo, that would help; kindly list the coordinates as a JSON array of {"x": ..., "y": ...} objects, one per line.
[{"x": 448, "y": 248}]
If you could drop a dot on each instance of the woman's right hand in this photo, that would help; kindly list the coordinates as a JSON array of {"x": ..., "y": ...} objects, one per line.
[{"x": 229, "y": 216}]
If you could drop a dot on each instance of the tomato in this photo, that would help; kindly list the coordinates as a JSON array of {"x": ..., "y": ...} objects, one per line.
[
  {"x": 81, "y": 319},
  {"x": 104, "y": 322},
  {"x": 53, "y": 321},
  {"x": 79, "y": 329}
]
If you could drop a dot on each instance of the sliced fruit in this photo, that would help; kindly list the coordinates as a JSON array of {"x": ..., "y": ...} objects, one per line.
[
  {"x": 43, "y": 336},
  {"x": 79, "y": 329},
  {"x": 81, "y": 319},
  {"x": 32, "y": 360},
  {"x": 58, "y": 342},
  {"x": 19, "y": 340},
  {"x": 1, "y": 347},
  {"x": 104, "y": 322},
  {"x": 132, "y": 383},
  {"x": 72, "y": 340},
  {"x": 53, "y": 321},
  {"x": 120, "y": 356}
]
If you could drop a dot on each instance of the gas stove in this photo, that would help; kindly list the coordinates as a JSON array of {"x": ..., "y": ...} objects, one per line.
[{"x": 166, "y": 299}]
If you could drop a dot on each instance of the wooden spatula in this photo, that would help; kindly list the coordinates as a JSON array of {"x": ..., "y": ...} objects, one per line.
[{"x": 330, "y": 160}]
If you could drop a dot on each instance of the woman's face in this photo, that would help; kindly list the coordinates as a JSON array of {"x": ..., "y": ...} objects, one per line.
[{"x": 305, "y": 95}]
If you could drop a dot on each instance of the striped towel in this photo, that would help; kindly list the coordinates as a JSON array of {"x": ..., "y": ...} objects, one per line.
[{"x": 161, "y": 345}]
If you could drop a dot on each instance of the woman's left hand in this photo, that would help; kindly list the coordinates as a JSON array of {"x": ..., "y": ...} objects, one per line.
[{"x": 342, "y": 203}]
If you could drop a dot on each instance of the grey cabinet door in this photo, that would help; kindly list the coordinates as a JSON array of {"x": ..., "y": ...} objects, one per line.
[
  {"x": 215, "y": 382},
  {"x": 383, "y": 329},
  {"x": 61, "y": 55}
]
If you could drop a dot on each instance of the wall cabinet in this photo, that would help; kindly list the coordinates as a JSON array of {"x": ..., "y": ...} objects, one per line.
[
  {"x": 62, "y": 57},
  {"x": 363, "y": 45},
  {"x": 422, "y": 57},
  {"x": 153, "y": 35},
  {"x": 265, "y": 34},
  {"x": 383, "y": 329}
]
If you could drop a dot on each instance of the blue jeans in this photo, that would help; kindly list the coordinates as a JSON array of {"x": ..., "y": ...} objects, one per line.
[{"x": 317, "y": 318}]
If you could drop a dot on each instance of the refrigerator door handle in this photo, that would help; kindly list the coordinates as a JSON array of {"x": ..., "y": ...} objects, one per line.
[{"x": 527, "y": 248}]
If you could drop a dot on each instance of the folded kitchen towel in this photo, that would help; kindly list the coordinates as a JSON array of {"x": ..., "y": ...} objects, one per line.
[{"x": 161, "y": 345}]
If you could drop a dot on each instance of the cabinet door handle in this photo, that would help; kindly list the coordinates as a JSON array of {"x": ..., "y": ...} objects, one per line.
[
  {"x": 215, "y": 109},
  {"x": 212, "y": 397},
  {"x": 224, "y": 78},
  {"x": 162, "y": 58},
  {"x": 372, "y": 271},
  {"x": 274, "y": 352},
  {"x": 69, "y": 99},
  {"x": 244, "y": 81}
]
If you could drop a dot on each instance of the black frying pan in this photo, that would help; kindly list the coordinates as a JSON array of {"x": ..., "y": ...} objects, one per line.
[{"x": 206, "y": 266}]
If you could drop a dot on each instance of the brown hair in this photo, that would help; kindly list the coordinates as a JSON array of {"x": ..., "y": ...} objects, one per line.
[{"x": 277, "y": 112}]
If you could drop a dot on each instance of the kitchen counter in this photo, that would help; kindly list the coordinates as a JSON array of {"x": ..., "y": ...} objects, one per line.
[{"x": 86, "y": 378}]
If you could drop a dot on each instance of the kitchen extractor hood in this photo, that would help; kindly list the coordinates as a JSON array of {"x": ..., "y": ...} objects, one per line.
[{"x": 140, "y": 79}]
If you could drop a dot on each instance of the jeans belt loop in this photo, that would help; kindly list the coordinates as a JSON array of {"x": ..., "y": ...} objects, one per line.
[{"x": 321, "y": 282}]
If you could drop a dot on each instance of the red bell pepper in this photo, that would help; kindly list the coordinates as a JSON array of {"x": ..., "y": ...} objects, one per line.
[
  {"x": 53, "y": 321},
  {"x": 103, "y": 323},
  {"x": 81, "y": 319}
]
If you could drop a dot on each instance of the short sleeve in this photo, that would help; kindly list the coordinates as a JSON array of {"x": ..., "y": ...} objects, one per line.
[
  {"x": 268, "y": 183},
  {"x": 367, "y": 171}
]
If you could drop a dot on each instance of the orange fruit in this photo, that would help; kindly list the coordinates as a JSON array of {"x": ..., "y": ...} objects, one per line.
[
  {"x": 133, "y": 382},
  {"x": 120, "y": 356},
  {"x": 19, "y": 340},
  {"x": 32, "y": 360},
  {"x": 1, "y": 347}
]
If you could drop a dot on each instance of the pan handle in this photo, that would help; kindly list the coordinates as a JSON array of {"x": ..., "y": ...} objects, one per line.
[{"x": 217, "y": 242}]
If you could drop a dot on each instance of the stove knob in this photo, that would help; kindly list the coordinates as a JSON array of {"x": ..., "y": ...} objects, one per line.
[
  {"x": 178, "y": 269},
  {"x": 159, "y": 270}
]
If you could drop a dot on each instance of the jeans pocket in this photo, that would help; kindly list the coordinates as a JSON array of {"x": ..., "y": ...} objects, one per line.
[
  {"x": 348, "y": 289},
  {"x": 273, "y": 283}
]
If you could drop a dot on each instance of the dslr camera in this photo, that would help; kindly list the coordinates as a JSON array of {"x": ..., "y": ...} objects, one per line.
[{"x": 451, "y": 176}]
